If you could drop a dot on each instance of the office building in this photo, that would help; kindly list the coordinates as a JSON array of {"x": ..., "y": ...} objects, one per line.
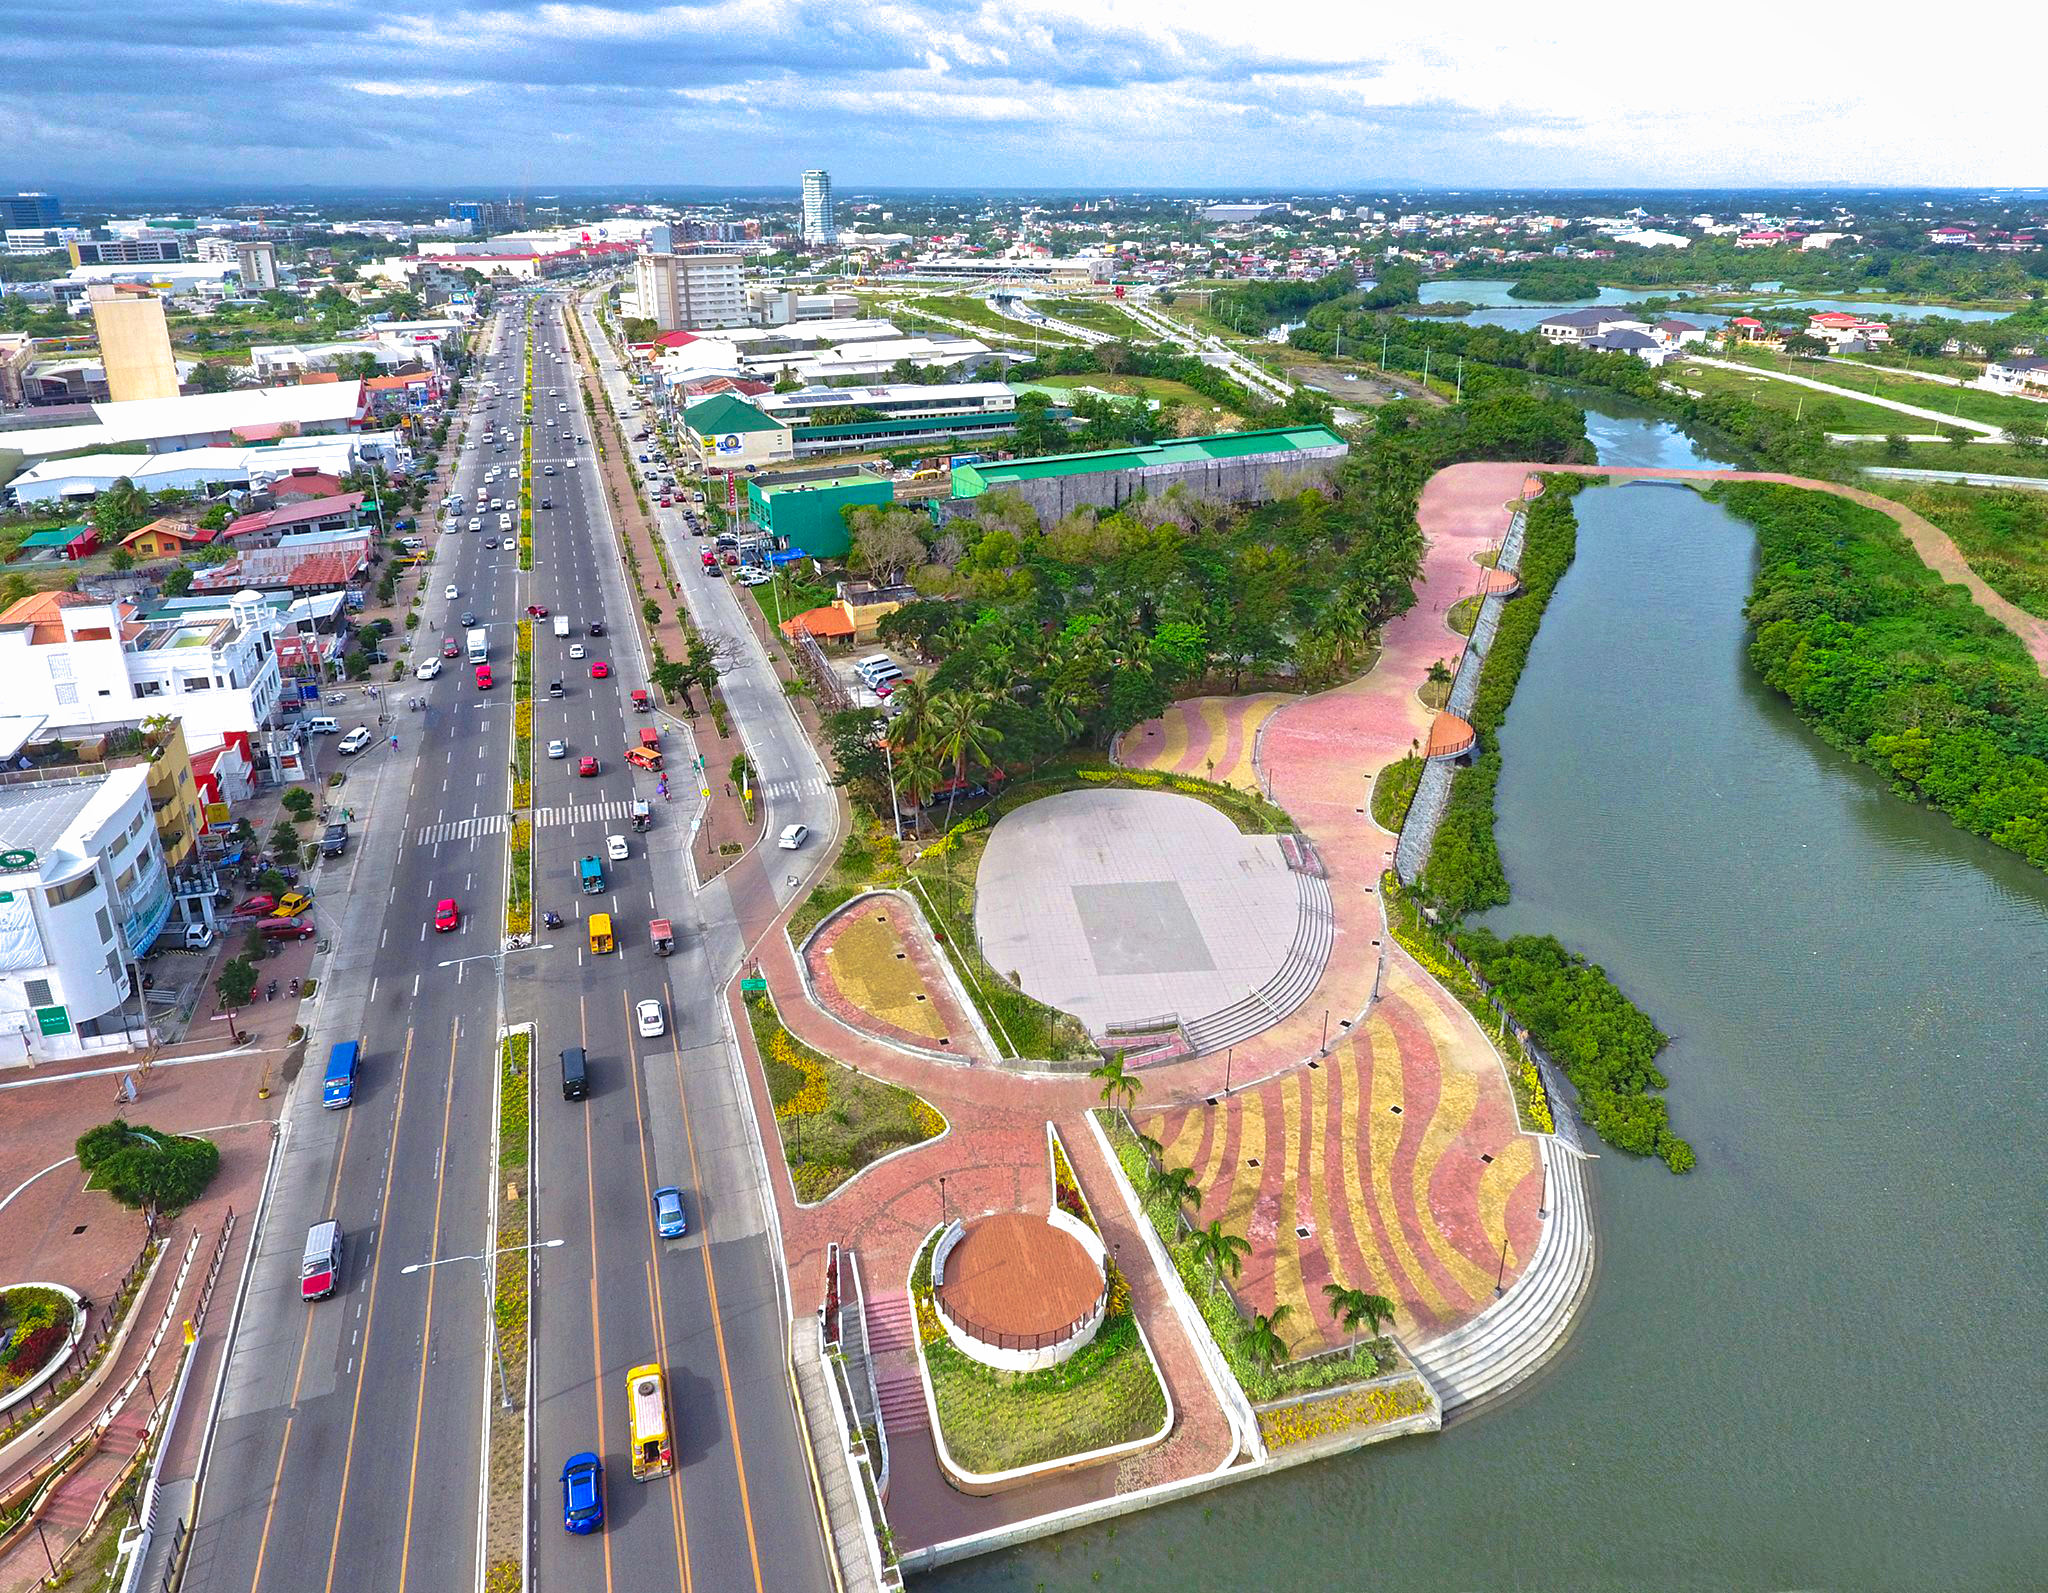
[
  {"x": 42, "y": 240},
  {"x": 135, "y": 344},
  {"x": 30, "y": 210},
  {"x": 84, "y": 892},
  {"x": 680, "y": 291},
  {"x": 487, "y": 216},
  {"x": 820, "y": 231},
  {"x": 258, "y": 264},
  {"x": 162, "y": 249}
]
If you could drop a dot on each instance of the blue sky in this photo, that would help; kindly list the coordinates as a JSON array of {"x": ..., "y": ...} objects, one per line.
[{"x": 422, "y": 93}]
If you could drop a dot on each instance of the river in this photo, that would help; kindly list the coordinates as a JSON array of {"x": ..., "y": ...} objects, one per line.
[
  {"x": 1497, "y": 308},
  {"x": 1814, "y": 1362}
]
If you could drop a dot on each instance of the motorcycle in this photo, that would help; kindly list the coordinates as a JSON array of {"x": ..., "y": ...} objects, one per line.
[
  {"x": 552, "y": 920},
  {"x": 270, "y": 994},
  {"x": 294, "y": 987}
]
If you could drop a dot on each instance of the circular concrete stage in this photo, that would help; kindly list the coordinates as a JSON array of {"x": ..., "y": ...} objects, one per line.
[
  {"x": 1126, "y": 906},
  {"x": 1013, "y": 1275}
]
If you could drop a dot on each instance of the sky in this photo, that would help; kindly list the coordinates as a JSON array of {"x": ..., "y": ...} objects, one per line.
[{"x": 1187, "y": 94}]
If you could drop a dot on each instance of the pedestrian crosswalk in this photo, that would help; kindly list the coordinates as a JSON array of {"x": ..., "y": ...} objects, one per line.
[
  {"x": 460, "y": 830},
  {"x": 789, "y": 788},
  {"x": 582, "y": 813}
]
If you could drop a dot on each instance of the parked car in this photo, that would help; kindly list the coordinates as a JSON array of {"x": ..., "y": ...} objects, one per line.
[
  {"x": 334, "y": 840},
  {"x": 356, "y": 740},
  {"x": 287, "y": 928}
]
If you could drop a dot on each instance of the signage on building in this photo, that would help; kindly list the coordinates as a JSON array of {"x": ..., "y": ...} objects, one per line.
[
  {"x": 17, "y": 857},
  {"x": 53, "y": 1020},
  {"x": 731, "y": 443},
  {"x": 217, "y": 813}
]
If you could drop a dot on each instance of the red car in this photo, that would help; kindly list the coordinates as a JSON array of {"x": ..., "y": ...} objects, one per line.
[
  {"x": 586, "y": 766},
  {"x": 255, "y": 907},
  {"x": 536, "y": 611},
  {"x": 446, "y": 915},
  {"x": 450, "y": 650},
  {"x": 286, "y": 928},
  {"x": 599, "y": 669},
  {"x": 665, "y": 503}
]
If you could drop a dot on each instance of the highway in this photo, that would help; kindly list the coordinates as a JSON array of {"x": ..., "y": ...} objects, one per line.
[{"x": 348, "y": 1448}]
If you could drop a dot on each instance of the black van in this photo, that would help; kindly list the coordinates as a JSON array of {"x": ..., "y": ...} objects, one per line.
[{"x": 575, "y": 1074}]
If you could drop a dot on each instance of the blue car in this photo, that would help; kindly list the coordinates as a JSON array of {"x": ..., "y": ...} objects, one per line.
[
  {"x": 583, "y": 1493},
  {"x": 669, "y": 1220}
]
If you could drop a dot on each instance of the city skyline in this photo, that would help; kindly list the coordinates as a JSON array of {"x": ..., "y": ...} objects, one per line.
[{"x": 1109, "y": 96}]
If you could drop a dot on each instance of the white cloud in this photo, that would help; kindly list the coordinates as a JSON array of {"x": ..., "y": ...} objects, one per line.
[{"x": 413, "y": 91}]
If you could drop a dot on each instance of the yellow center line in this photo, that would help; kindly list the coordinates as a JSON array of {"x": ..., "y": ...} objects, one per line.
[
  {"x": 427, "y": 1333},
  {"x": 732, "y": 1415},
  {"x": 348, "y": 1454},
  {"x": 305, "y": 1340},
  {"x": 596, "y": 1317}
]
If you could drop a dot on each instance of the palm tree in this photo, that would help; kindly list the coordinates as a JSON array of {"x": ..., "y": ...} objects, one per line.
[
  {"x": 961, "y": 736},
  {"x": 1222, "y": 1249},
  {"x": 910, "y": 715},
  {"x": 1262, "y": 1340},
  {"x": 1117, "y": 1080},
  {"x": 1352, "y": 1306},
  {"x": 1174, "y": 1184},
  {"x": 917, "y": 773}
]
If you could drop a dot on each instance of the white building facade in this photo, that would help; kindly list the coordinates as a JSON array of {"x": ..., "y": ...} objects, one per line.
[
  {"x": 680, "y": 291},
  {"x": 83, "y": 893},
  {"x": 820, "y": 230}
]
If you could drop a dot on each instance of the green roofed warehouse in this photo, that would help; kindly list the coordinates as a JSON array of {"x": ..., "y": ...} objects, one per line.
[{"x": 1230, "y": 467}]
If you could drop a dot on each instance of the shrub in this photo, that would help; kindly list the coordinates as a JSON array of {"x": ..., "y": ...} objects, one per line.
[{"x": 140, "y": 1166}]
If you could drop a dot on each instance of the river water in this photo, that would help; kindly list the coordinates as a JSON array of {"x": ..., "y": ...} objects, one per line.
[
  {"x": 1814, "y": 1363},
  {"x": 1497, "y": 308}
]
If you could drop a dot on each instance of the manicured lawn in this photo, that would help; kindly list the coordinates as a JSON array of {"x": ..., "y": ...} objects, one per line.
[
  {"x": 1818, "y": 409},
  {"x": 833, "y": 1121},
  {"x": 1393, "y": 789},
  {"x": 1969, "y": 403},
  {"x": 1099, "y": 315},
  {"x": 793, "y": 595},
  {"x": 2003, "y": 532},
  {"x": 1166, "y": 390},
  {"x": 1996, "y": 459},
  {"x": 976, "y": 312},
  {"x": 1106, "y": 1394}
]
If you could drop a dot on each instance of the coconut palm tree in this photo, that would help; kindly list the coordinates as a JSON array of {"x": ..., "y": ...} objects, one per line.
[
  {"x": 1174, "y": 1184},
  {"x": 1352, "y": 1306},
  {"x": 1117, "y": 1081},
  {"x": 1222, "y": 1249},
  {"x": 917, "y": 776},
  {"x": 962, "y": 735},
  {"x": 1262, "y": 1340},
  {"x": 910, "y": 712}
]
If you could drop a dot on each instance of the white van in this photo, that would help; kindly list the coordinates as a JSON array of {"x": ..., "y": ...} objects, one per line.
[
  {"x": 321, "y": 725},
  {"x": 561, "y": 625}
]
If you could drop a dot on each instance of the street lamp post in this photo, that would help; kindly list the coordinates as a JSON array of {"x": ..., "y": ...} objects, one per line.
[{"x": 486, "y": 1262}]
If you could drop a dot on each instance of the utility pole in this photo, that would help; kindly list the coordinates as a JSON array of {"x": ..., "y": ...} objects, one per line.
[
  {"x": 1383, "y": 351},
  {"x": 1461, "y": 381}
]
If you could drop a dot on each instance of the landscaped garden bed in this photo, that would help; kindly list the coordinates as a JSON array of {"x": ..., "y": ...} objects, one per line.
[
  {"x": 35, "y": 1323},
  {"x": 833, "y": 1120},
  {"x": 873, "y": 968},
  {"x": 1323, "y": 1417},
  {"x": 1108, "y": 1394}
]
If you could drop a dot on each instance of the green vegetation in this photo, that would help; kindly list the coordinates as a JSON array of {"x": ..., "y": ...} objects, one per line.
[
  {"x": 833, "y": 1120},
  {"x": 1555, "y": 284},
  {"x": 1955, "y": 452},
  {"x": 1966, "y": 403},
  {"x": 1887, "y": 661},
  {"x": 1100, "y": 315},
  {"x": 1164, "y": 388},
  {"x": 978, "y": 313},
  {"x": 2002, "y": 531},
  {"x": 34, "y": 1323},
  {"x": 145, "y": 1168},
  {"x": 1105, "y": 1394},
  {"x": 1255, "y": 306},
  {"x": 1393, "y": 789},
  {"x": 515, "y": 1096},
  {"x": 1606, "y": 1045},
  {"x": 865, "y": 861},
  {"x": 1464, "y": 871}
]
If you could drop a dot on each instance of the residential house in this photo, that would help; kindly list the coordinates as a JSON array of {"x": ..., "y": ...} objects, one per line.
[
  {"x": 325, "y": 562},
  {"x": 341, "y": 511},
  {"x": 1674, "y": 333},
  {"x": 1848, "y": 333},
  {"x": 1575, "y": 327},
  {"x": 2023, "y": 374},
  {"x": 167, "y": 539},
  {"x": 1622, "y": 340}
]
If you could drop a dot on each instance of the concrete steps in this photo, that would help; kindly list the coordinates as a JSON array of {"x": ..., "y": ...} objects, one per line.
[
  {"x": 1315, "y": 933},
  {"x": 1519, "y": 1332},
  {"x": 891, "y": 1323},
  {"x": 902, "y": 1397}
]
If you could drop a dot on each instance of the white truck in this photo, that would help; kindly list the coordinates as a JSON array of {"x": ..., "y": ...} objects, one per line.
[
  {"x": 561, "y": 625},
  {"x": 479, "y": 646}
]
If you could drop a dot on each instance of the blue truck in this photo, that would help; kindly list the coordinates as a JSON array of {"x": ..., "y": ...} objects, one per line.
[
  {"x": 591, "y": 872},
  {"x": 338, "y": 1088}
]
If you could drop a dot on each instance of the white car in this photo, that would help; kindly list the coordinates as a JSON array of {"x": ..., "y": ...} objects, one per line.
[
  {"x": 572, "y": 464},
  {"x": 793, "y": 836},
  {"x": 504, "y": 522},
  {"x": 356, "y": 740},
  {"x": 648, "y": 1015},
  {"x": 497, "y": 504},
  {"x": 450, "y": 593},
  {"x": 428, "y": 670},
  {"x": 558, "y": 749},
  {"x": 575, "y": 649},
  {"x": 476, "y": 522},
  {"x": 615, "y": 848},
  {"x": 753, "y": 575}
]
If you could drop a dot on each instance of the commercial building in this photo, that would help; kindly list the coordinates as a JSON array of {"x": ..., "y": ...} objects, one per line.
[
  {"x": 42, "y": 240},
  {"x": 838, "y": 419},
  {"x": 728, "y": 433},
  {"x": 802, "y": 508},
  {"x": 135, "y": 345},
  {"x": 1230, "y": 467},
  {"x": 1081, "y": 271},
  {"x": 486, "y": 216},
  {"x": 206, "y": 470},
  {"x": 678, "y": 291},
  {"x": 768, "y": 305},
  {"x": 283, "y": 415},
  {"x": 84, "y": 892},
  {"x": 820, "y": 231},
  {"x": 257, "y": 263},
  {"x": 30, "y": 210},
  {"x": 73, "y": 662},
  {"x": 164, "y": 249}
]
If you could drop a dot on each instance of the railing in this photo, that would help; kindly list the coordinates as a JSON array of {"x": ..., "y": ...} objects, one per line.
[{"x": 996, "y": 1339}]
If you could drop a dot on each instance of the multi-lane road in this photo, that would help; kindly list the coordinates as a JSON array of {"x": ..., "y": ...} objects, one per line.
[{"x": 349, "y": 1447}]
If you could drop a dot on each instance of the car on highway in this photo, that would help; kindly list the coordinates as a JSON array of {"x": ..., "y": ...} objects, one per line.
[
  {"x": 536, "y": 611},
  {"x": 450, "y": 648},
  {"x": 582, "y": 1493},
  {"x": 669, "y": 1220},
  {"x": 599, "y": 669},
  {"x": 793, "y": 836},
  {"x": 572, "y": 464},
  {"x": 476, "y": 522},
  {"x": 647, "y": 1015},
  {"x": 356, "y": 739},
  {"x": 447, "y": 915},
  {"x": 586, "y": 767},
  {"x": 490, "y": 542},
  {"x": 597, "y": 627},
  {"x": 575, "y": 649},
  {"x": 547, "y": 503},
  {"x": 558, "y": 749},
  {"x": 428, "y": 670},
  {"x": 615, "y": 848},
  {"x": 468, "y": 617}
]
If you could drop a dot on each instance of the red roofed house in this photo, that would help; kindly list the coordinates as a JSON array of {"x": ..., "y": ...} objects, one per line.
[
  {"x": 339, "y": 512},
  {"x": 389, "y": 395},
  {"x": 304, "y": 482},
  {"x": 1846, "y": 331},
  {"x": 167, "y": 539}
]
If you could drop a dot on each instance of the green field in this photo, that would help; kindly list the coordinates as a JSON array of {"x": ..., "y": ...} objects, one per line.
[
  {"x": 963, "y": 307},
  {"x": 1998, "y": 459},
  {"x": 1163, "y": 388},
  {"x": 1099, "y": 315},
  {"x": 1818, "y": 409},
  {"x": 1970, "y": 403},
  {"x": 2003, "y": 532}
]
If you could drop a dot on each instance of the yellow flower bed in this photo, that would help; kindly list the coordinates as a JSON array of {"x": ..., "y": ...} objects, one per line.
[
  {"x": 867, "y": 961},
  {"x": 927, "y": 1119},
  {"x": 930, "y": 1329},
  {"x": 815, "y": 1093},
  {"x": 1312, "y": 1419}
]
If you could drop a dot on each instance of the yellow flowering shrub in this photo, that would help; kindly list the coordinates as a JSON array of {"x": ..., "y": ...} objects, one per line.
[
  {"x": 1119, "y": 1292},
  {"x": 930, "y": 1330},
  {"x": 1309, "y": 1420},
  {"x": 814, "y": 1093},
  {"x": 927, "y": 1119}
]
